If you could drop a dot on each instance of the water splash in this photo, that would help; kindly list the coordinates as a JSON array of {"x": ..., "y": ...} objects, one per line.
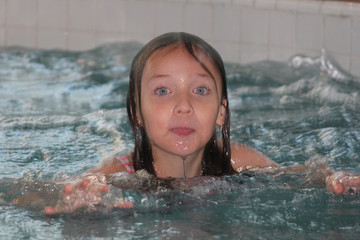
[{"x": 63, "y": 112}]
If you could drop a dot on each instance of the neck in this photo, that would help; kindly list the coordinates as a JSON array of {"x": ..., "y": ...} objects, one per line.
[{"x": 178, "y": 167}]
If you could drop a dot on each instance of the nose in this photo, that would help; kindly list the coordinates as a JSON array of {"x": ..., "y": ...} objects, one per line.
[{"x": 183, "y": 105}]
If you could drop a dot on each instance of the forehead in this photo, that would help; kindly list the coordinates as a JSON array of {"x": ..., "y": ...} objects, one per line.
[{"x": 160, "y": 59}]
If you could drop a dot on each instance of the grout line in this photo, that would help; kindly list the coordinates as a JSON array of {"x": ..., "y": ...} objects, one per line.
[
  {"x": 125, "y": 27},
  {"x": 95, "y": 8},
  {"x": 37, "y": 24},
  {"x": 350, "y": 43},
  {"x": 66, "y": 31},
  {"x": 323, "y": 23},
  {"x": 268, "y": 35},
  {"x": 5, "y": 23}
]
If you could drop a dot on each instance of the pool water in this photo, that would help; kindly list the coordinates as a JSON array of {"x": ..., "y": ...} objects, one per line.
[{"x": 62, "y": 113}]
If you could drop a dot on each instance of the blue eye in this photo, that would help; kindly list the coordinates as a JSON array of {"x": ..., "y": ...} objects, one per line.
[
  {"x": 201, "y": 90},
  {"x": 162, "y": 91}
]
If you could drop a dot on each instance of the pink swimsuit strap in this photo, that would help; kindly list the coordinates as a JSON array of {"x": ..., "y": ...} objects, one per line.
[{"x": 126, "y": 162}]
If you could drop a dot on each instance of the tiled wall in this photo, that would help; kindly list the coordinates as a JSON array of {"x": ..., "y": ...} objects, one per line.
[{"x": 242, "y": 30}]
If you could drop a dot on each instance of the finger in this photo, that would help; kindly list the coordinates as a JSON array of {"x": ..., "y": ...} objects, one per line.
[
  {"x": 49, "y": 210},
  {"x": 55, "y": 210},
  {"x": 68, "y": 189},
  {"x": 105, "y": 188},
  {"x": 352, "y": 181},
  {"x": 124, "y": 204},
  {"x": 85, "y": 183},
  {"x": 338, "y": 188}
]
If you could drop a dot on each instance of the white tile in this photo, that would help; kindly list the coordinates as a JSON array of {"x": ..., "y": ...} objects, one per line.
[
  {"x": 226, "y": 23},
  {"x": 332, "y": 7},
  {"x": 52, "y": 13},
  {"x": 244, "y": 3},
  {"x": 229, "y": 51},
  {"x": 337, "y": 34},
  {"x": 169, "y": 17},
  {"x": 309, "y": 53},
  {"x": 355, "y": 66},
  {"x": 309, "y": 6},
  {"x": 198, "y": 19},
  {"x": 266, "y": 4},
  {"x": 51, "y": 39},
  {"x": 252, "y": 53},
  {"x": 254, "y": 26},
  {"x": 110, "y": 16},
  {"x": 82, "y": 14},
  {"x": 21, "y": 13},
  {"x": 201, "y": 1},
  {"x": 222, "y": 1},
  {"x": 351, "y": 9},
  {"x": 355, "y": 37},
  {"x": 341, "y": 59},
  {"x": 282, "y": 29},
  {"x": 25, "y": 37},
  {"x": 2, "y": 36},
  {"x": 140, "y": 17},
  {"x": 79, "y": 41},
  {"x": 2, "y": 13},
  {"x": 107, "y": 37},
  {"x": 141, "y": 38},
  {"x": 280, "y": 54},
  {"x": 309, "y": 33},
  {"x": 288, "y": 5}
]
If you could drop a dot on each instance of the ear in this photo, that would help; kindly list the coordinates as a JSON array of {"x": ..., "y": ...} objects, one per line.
[
  {"x": 222, "y": 112},
  {"x": 139, "y": 118},
  {"x": 138, "y": 113}
]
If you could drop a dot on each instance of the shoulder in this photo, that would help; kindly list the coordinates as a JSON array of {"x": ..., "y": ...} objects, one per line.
[
  {"x": 116, "y": 163},
  {"x": 126, "y": 162},
  {"x": 243, "y": 156}
]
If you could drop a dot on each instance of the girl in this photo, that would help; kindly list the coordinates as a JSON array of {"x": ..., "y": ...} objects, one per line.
[{"x": 177, "y": 105}]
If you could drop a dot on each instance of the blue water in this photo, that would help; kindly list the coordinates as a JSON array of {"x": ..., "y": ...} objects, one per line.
[{"x": 62, "y": 113}]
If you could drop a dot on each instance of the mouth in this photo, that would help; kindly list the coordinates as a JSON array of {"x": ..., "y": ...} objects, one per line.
[{"x": 182, "y": 131}]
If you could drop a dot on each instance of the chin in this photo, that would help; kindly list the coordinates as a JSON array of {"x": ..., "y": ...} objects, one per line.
[{"x": 184, "y": 153}]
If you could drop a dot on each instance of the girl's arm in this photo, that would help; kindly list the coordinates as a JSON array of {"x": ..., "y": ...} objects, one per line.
[
  {"x": 113, "y": 165},
  {"x": 339, "y": 182},
  {"x": 243, "y": 156}
]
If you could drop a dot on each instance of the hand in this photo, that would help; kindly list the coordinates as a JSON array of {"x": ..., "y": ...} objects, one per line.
[
  {"x": 343, "y": 182},
  {"x": 88, "y": 193}
]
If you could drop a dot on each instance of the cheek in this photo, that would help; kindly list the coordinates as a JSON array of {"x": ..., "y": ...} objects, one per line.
[
  {"x": 154, "y": 116},
  {"x": 208, "y": 112}
]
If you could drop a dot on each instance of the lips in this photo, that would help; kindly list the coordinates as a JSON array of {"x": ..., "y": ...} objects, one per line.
[{"x": 182, "y": 131}]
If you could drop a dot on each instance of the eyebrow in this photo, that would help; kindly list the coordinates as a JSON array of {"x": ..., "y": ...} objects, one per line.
[
  {"x": 203, "y": 75},
  {"x": 207, "y": 75},
  {"x": 154, "y": 76}
]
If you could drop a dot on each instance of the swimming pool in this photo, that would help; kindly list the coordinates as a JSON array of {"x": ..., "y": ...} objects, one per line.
[{"x": 63, "y": 112}]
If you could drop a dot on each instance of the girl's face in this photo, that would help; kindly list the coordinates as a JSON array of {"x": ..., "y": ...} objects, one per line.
[{"x": 180, "y": 102}]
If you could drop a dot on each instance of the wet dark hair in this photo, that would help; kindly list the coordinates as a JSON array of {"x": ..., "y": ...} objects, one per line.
[{"x": 217, "y": 157}]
